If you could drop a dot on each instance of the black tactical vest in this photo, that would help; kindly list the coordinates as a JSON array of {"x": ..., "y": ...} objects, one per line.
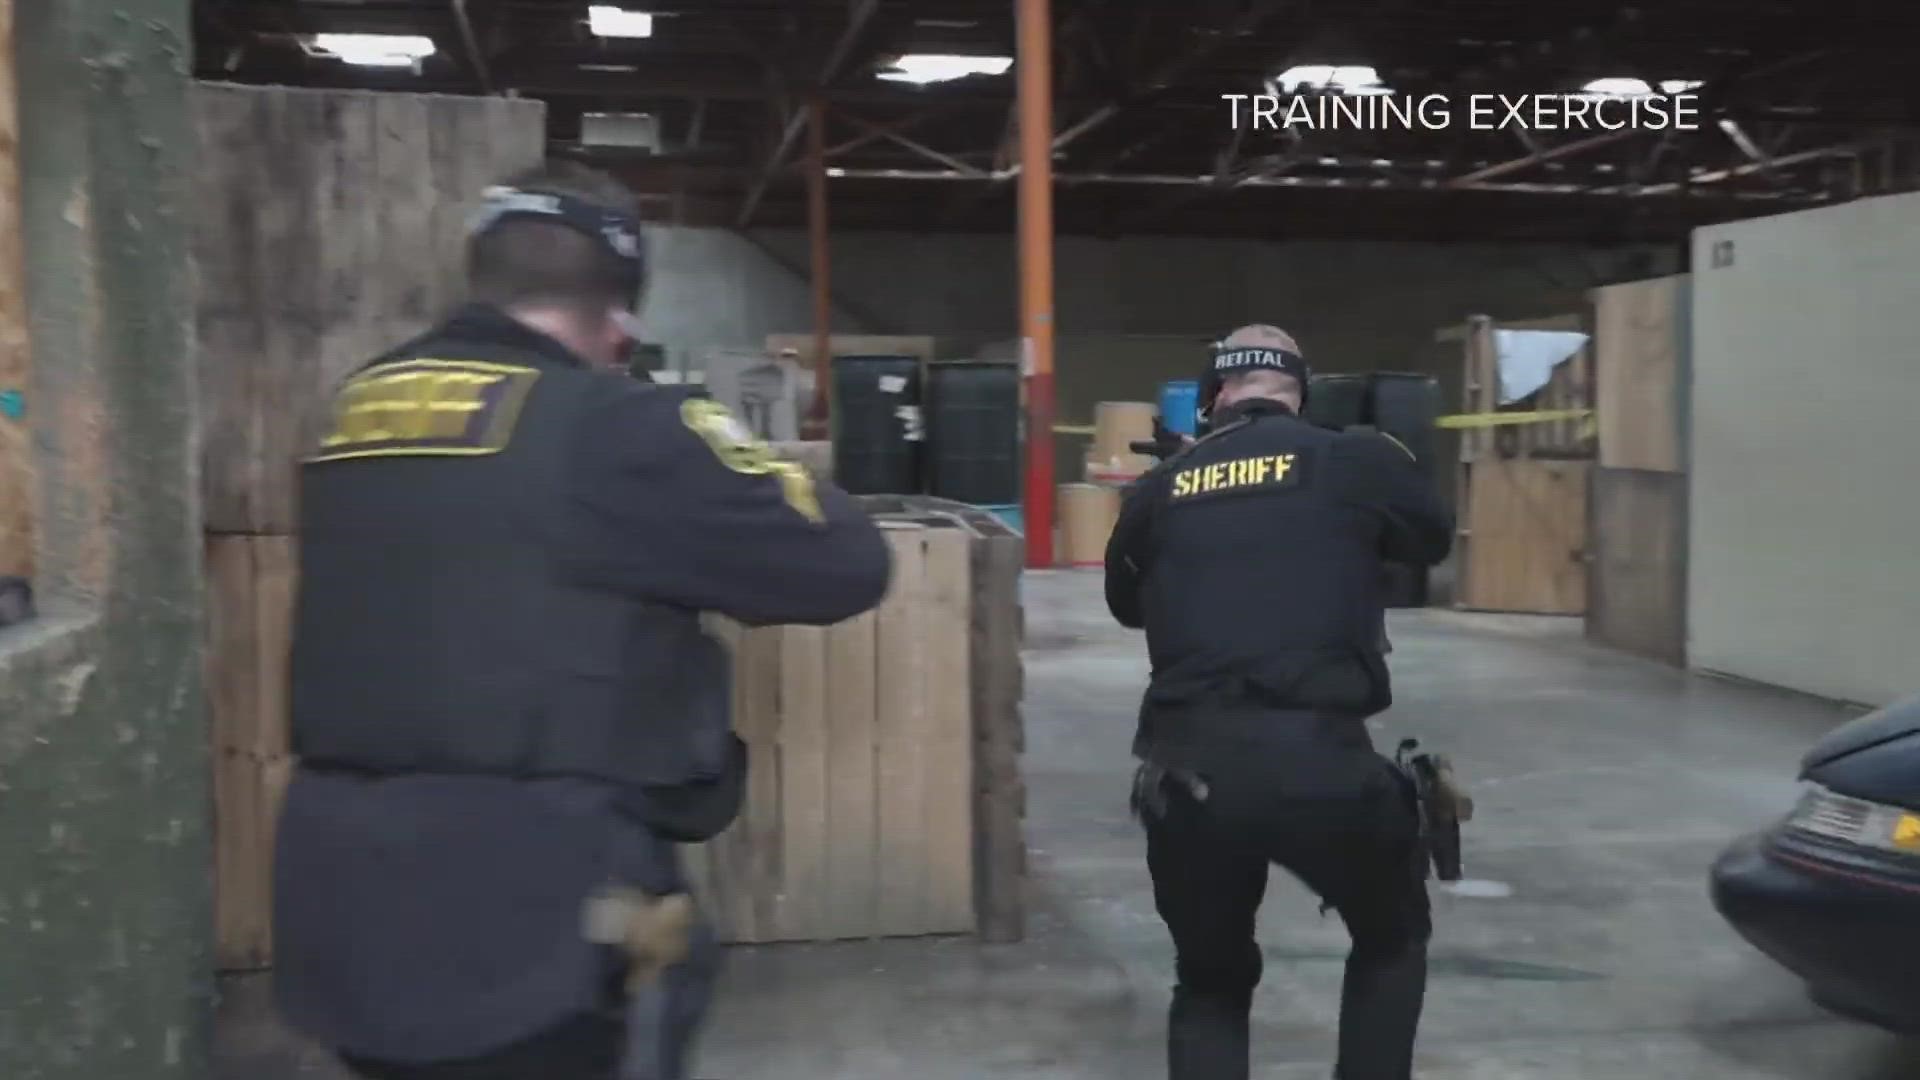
[
  {"x": 437, "y": 630},
  {"x": 1263, "y": 584}
]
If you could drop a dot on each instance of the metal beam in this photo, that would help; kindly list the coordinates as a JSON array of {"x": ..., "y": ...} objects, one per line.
[
  {"x": 872, "y": 132},
  {"x": 1578, "y": 146},
  {"x": 922, "y": 149},
  {"x": 857, "y": 19},
  {"x": 1164, "y": 76},
  {"x": 1716, "y": 176},
  {"x": 1314, "y": 182},
  {"x": 471, "y": 41},
  {"x": 1739, "y": 137}
]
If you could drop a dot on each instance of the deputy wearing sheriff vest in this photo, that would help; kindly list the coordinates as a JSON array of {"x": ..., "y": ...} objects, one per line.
[
  {"x": 1252, "y": 559},
  {"x": 505, "y": 711}
]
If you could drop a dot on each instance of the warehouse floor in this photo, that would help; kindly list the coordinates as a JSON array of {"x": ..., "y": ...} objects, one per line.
[{"x": 1605, "y": 785}]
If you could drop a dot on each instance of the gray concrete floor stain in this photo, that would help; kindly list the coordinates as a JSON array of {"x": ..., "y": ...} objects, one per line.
[{"x": 1605, "y": 787}]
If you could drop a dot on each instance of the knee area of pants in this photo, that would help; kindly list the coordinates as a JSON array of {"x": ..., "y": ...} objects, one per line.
[
  {"x": 1226, "y": 977},
  {"x": 1392, "y": 946}
]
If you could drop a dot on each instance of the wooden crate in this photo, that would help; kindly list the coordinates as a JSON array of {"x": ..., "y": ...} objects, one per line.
[
  {"x": 998, "y": 685},
  {"x": 250, "y": 587},
  {"x": 329, "y": 227},
  {"x": 859, "y": 818}
]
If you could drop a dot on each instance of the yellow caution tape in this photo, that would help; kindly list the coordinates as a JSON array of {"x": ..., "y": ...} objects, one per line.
[
  {"x": 1457, "y": 421},
  {"x": 1502, "y": 419}
]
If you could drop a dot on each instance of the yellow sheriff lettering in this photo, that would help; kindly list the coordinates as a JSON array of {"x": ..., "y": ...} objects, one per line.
[
  {"x": 409, "y": 406},
  {"x": 427, "y": 407},
  {"x": 1261, "y": 471}
]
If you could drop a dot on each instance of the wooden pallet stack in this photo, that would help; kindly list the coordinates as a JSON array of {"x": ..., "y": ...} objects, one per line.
[
  {"x": 885, "y": 796},
  {"x": 330, "y": 226},
  {"x": 1521, "y": 496}
]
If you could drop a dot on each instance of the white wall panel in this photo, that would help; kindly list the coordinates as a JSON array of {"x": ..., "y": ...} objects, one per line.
[{"x": 1804, "y": 552}]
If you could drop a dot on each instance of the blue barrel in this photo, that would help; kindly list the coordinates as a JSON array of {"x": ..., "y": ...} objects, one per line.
[{"x": 1180, "y": 405}]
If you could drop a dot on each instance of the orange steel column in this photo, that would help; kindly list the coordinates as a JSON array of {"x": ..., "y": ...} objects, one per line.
[
  {"x": 818, "y": 423},
  {"x": 1035, "y": 71}
]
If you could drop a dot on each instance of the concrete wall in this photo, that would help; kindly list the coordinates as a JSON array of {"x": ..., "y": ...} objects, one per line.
[
  {"x": 1806, "y": 391},
  {"x": 1131, "y": 313},
  {"x": 104, "y": 972}
]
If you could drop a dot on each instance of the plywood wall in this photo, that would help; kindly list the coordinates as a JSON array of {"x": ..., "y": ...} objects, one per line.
[
  {"x": 1638, "y": 595},
  {"x": 1527, "y": 536},
  {"x": 330, "y": 227},
  {"x": 16, "y": 443},
  {"x": 250, "y": 586},
  {"x": 1640, "y": 347},
  {"x": 1806, "y": 387}
]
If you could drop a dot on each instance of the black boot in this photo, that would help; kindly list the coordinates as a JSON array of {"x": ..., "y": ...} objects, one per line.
[{"x": 1208, "y": 1037}]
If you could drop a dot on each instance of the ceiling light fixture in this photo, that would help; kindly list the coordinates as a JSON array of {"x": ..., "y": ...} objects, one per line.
[
  {"x": 923, "y": 68},
  {"x": 374, "y": 50},
  {"x": 606, "y": 20},
  {"x": 1627, "y": 87},
  {"x": 1328, "y": 78}
]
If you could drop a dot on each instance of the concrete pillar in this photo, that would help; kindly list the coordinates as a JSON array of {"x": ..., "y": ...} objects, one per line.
[{"x": 104, "y": 901}]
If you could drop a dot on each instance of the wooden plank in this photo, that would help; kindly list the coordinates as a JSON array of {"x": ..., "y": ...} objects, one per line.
[
  {"x": 1000, "y": 848},
  {"x": 758, "y": 835},
  {"x": 852, "y": 793},
  {"x": 904, "y": 715},
  {"x": 250, "y": 586},
  {"x": 327, "y": 229},
  {"x": 1638, "y": 601},
  {"x": 1528, "y": 524},
  {"x": 804, "y": 786},
  {"x": 1638, "y": 331},
  {"x": 949, "y": 788},
  {"x": 17, "y": 494}
]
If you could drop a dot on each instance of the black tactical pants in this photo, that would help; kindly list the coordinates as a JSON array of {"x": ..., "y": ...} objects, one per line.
[
  {"x": 1351, "y": 835},
  {"x": 588, "y": 1047}
]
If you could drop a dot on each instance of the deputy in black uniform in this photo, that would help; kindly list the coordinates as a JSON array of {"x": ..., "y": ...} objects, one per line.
[
  {"x": 505, "y": 711},
  {"x": 1252, "y": 560}
]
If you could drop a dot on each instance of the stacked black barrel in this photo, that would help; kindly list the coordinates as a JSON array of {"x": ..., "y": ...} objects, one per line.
[
  {"x": 1405, "y": 406},
  {"x": 948, "y": 429}
]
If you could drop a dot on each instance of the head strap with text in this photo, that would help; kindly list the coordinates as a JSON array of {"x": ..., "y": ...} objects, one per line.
[{"x": 1229, "y": 359}]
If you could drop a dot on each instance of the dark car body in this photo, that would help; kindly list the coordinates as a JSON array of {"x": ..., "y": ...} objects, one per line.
[{"x": 1832, "y": 892}]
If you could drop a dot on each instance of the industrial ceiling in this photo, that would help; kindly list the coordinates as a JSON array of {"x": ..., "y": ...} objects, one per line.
[{"x": 704, "y": 106}]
